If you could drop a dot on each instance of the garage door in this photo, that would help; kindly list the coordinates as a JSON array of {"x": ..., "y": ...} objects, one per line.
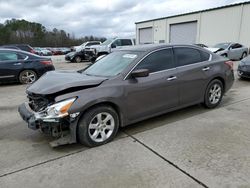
[
  {"x": 184, "y": 33},
  {"x": 146, "y": 35}
]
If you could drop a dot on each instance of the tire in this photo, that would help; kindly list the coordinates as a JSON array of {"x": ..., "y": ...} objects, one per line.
[
  {"x": 214, "y": 94},
  {"x": 78, "y": 59},
  {"x": 93, "y": 131},
  {"x": 27, "y": 77},
  {"x": 224, "y": 55},
  {"x": 243, "y": 55}
]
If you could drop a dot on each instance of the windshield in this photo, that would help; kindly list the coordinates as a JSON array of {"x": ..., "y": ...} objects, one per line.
[
  {"x": 107, "y": 42},
  {"x": 222, "y": 45},
  {"x": 112, "y": 64}
]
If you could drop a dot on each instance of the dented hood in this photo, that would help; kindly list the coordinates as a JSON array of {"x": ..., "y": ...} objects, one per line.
[{"x": 57, "y": 81}]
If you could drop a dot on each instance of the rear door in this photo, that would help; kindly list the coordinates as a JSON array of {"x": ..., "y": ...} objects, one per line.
[
  {"x": 10, "y": 65},
  {"x": 193, "y": 71},
  {"x": 156, "y": 93}
]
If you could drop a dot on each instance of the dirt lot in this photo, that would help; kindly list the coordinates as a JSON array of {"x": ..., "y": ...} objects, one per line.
[{"x": 193, "y": 147}]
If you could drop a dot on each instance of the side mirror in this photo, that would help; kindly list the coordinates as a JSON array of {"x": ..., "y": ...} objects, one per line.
[
  {"x": 140, "y": 73},
  {"x": 113, "y": 45}
]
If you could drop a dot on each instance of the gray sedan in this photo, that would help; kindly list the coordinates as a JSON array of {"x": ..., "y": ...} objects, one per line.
[
  {"x": 244, "y": 68},
  {"x": 124, "y": 87},
  {"x": 233, "y": 51}
]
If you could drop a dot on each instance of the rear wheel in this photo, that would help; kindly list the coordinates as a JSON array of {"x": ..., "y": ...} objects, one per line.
[
  {"x": 78, "y": 59},
  {"x": 224, "y": 55},
  {"x": 98, "y": 126},
  {"x": 214, "y": 94},
  {"x": 27, "y": 77},
  {"x": 243, "y": 55}
]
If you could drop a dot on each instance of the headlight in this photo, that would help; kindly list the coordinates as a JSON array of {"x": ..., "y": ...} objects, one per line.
[{"x": 60, "y": 109}]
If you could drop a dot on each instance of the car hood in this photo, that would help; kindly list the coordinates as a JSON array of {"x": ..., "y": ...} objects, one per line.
[
  {"x": 59, "y": 81},
  {"x": 213, "y": 49}
]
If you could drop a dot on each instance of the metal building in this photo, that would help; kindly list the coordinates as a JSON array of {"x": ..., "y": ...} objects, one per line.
[{"x": 229, "y": 23}]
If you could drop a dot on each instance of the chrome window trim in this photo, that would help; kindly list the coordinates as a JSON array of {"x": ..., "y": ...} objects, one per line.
[
  {"x": 143, "y": 59},
  {"x": 162, "y": 71}
]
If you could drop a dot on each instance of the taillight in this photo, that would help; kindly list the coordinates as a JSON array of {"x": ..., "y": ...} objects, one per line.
[
  {"x": 230, "y": 64},
  {"x": 47, "y": 62}
]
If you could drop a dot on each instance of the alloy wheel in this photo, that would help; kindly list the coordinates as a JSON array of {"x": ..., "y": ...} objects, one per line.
[
  {"x": 101, "y": 127},
  {"x": 28, "y": 77},
  {"x": 215, "y": 93}
]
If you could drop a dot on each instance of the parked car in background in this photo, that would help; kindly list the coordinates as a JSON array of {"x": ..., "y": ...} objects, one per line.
[
  {"x": 108, "y": 46},
  {"x": 77, "y": 56},
  {"x": 42, "y": 51},
  {"x": 21, "y": 66},
  {"x": 24, "y": 47},
  {"x": 234, "y": 51},
  {"x": 85, "y": 44},
  {"x": 124, "y": 87},
  {"x": 65, "y": 50},
  {"x": 244, "y": 68}
]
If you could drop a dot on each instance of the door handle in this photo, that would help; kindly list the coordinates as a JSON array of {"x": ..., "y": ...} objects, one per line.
[
  {"x": 172, "y": 78},
  {"x": 206, "y": 68},
  {"x": 17, "y": 63}
]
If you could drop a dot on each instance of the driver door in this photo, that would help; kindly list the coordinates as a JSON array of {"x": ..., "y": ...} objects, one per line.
[{"x": 156, "y": 93}]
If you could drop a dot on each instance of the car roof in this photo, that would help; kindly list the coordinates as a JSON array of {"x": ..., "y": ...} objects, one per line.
[
  {"x": 152, "y": 47},
  {"x": 15, "y": 50}
]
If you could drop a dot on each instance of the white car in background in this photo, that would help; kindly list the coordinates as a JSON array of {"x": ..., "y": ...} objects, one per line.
[
  {"x": 85, "y": 44},
  {"x": 230, "y": 50}
]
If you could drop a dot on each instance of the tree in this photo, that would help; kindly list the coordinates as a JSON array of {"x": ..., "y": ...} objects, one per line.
[{"x": 21, "y": 31}]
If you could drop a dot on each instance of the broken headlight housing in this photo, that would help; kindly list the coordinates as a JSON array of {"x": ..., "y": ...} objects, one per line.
[{"x": 60, "y": 109}]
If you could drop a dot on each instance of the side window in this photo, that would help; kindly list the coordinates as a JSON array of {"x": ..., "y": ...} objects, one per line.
[
  {"x": 95, "y": 43},
  {"x": 187, "y": 56},
  {"x": 8, "y": 56},
  {"x": 21, "y": 56},
  {"x": 235, "y": 46},
  {"x": 126, "y": 42},
  {"x": 204, "y": 56},
  {"x": 117, "y": 42},
  {"x": 89, "y": 44},
  {"x": 158, "y": 61}
]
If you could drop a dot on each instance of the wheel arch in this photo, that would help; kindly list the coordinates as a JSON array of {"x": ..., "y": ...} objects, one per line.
[
  {"x": 220, "y": 78},
  {"x": 106, "y": 103}
]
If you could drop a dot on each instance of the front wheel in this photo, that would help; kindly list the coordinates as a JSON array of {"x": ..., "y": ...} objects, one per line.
[
  {"x": 98, "y": 126},
  {"x": 214, "y": 94}
]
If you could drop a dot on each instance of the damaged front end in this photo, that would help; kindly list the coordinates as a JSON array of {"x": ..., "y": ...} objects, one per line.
[{"x": 50, "y": 117}]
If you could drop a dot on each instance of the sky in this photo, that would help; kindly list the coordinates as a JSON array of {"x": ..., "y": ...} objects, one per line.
[{"x": 103, "y": 18}]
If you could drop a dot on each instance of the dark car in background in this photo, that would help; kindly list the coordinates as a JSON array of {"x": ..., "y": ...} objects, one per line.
[
  {"x": 24, "y": 47},
  {"x": 244, "y": 68},
  {"x": 124, "y": 87},
  {"x": 78, "y": 56},
  {"x": 21, "y": 66}
]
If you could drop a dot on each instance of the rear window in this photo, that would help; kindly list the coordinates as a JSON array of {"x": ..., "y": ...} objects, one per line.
[
  {"x": 126, "y": 42},
  {"x": 187, "y": 56},
  {"x": 204, "y": 56}
]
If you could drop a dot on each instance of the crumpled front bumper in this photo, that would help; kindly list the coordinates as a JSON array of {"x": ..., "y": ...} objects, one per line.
[
  {"x": 29, "y": 116},
  {"x": 37, "y": 121}
]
